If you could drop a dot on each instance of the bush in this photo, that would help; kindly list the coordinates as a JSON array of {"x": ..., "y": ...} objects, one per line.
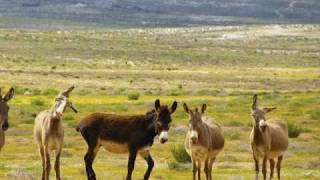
[
  {"x": 50, "y": 91},
  {"x": 36, "y": 92},
  {"x": 175, "y": 93},
  {"x": 68, "y": 117},
  {"x": 234, "y": 123},
  {"x": 133, "y": 96},
  {"x": 37, "y": 102},
  {"x": 232, "y": 135},
  {"x": 178, "y": 166},
  {"x": 315, "y": 115},
  {"x": 294, "y": 130},
  {"x": 180, "y": 154},
  {"x": 20, "y": 90}
]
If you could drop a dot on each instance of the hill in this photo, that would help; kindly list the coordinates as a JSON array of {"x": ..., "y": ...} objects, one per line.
[{"x": 165, "y": 12}]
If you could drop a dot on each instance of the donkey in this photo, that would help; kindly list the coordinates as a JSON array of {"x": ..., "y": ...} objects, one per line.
[
  {"x": 4, "y": 111},
  {"x": 48, "y": 132},
  {"x": 269, "y": 140},
  {"x": 203, "y": 142},
  {"x": 125, "y": 134}
]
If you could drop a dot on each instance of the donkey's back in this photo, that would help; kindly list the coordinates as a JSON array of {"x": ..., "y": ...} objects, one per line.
[{"x": 108, "y": 121}]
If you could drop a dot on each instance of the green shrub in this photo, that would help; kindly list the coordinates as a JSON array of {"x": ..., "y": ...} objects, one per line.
[
  {"x": 68, "y": 117},
  {"x": 294, "y": 130},
  {"x": 20, "y": 90},
  {"x": 234, "y": 123},
  {"x": 50, "y": 91},
  {"x": 232, "y": 135},
  {"x": 177, "y": 92},
  {"x": 84, "y": 92},
  {"x": 37, "y": 102},
  {"x": 207, "y": 92},
  {"x": 315, "y": 115},
  {"x": 180, "y": 154},
  {"x": 120, "y": 91},
  {"x": 36, "y": 92},
  {"x": 178, "y": 166},
  {"x": 133, "y": 96}
]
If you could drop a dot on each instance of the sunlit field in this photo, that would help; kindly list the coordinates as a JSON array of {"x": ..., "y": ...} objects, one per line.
[{"x": 124, "y": 70}]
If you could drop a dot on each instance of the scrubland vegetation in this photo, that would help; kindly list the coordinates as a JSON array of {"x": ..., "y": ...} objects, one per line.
[{"x": 124, "y": 71}]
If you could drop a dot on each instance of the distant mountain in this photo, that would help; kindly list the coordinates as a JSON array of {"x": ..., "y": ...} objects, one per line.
[{"x": 166, "y": 12}]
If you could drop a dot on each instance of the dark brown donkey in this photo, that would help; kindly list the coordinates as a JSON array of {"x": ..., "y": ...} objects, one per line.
[
  {"x": 123, "y": 134},
  {"x": 4, "y": 111}
]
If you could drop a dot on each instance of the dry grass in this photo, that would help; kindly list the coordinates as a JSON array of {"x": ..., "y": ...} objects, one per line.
[{"x": 107, "y": 65}]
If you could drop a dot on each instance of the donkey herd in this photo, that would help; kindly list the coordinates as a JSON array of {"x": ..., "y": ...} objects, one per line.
[{"x": 135, "y": 135}]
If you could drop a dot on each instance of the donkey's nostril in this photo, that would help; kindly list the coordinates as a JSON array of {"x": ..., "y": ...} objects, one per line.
[{"x": 162, "y": 140}]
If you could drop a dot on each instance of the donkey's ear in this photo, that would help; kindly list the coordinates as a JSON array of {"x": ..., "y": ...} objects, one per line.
[
  {"x": 173, "y": 107},
  {"x": 157, "y": 104},
  {"x": 9, "y": 95},
  {"x": 203, "y": 108},
  {"x": 266, "y": 110},
  {"x": 0, "y": 94},
  {"x": 255, "y": 102},
  {"x": 68, "y": 91},
  {"x": 186, "y": 108}
]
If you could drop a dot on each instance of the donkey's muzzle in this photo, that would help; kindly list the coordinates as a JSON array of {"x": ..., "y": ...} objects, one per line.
[
  {"x": 5, "y": 126},
  {"x": 163, "y": 137},
  {"x": 194, "y": 140}
]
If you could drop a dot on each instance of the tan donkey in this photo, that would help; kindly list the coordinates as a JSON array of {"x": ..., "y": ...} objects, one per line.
[
  {"x": 269, "y": 140},
  {"x": 48, "y": 132},
  {"x": 203, "y": 142}
]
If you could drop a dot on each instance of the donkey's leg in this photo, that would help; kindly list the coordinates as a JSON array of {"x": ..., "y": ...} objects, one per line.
[
  {"x": 47, "y": 162},
  {"x": 279, "y": 166},
  {"x": 264, "y": 168},
  {"x": 132, "y": 159},
  {"x": 194, "y": 169},
  {"x": 256, "y": 162},
  {"x": 199, "y": 170},
  {"x": 146, "y": 156},
  {"x": 41, "y": 151},
  {"x": 57, "y": 164},
  {"x": 210, "y": 167},
  {"x": 93, "y": 149},
  {"x": 271, "y": 168},
  {"x": 206, "y": 169},
  {"x": 89, "y": 158}
]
